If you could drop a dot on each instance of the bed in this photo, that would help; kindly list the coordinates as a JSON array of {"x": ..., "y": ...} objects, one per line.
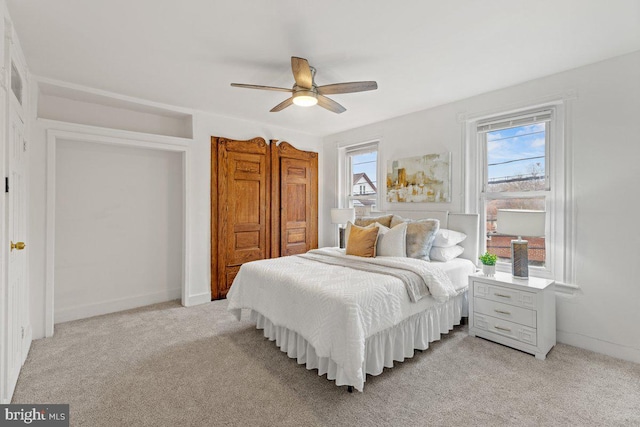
[{"x": 348, "y": 322}]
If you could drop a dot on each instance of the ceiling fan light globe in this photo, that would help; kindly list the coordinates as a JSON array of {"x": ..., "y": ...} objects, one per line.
[
  {"x": 305, "y": 98},
  {"x": 305, "y": 101}
]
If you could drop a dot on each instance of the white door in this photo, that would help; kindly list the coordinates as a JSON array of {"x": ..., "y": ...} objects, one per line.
[{"x": 18, "y": 338}]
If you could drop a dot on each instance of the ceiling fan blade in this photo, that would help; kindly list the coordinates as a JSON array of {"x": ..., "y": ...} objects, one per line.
[
  {"x": 284, "y": 104},
  {"x": 279, "y": 89},
  {"x": 330, "y": 104},
  {"x": 347, "y": 87},
  {"x": 301, "y": 72}
]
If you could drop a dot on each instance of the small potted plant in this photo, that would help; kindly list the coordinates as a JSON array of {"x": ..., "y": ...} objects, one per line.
[{"x": 488, "y": 263}]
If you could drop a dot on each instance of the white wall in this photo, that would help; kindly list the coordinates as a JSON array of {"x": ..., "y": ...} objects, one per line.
[
  {"x": 602, "y": 128},
  {"x": 205, "y": 126},
  {"x": 118, "y": 228}
]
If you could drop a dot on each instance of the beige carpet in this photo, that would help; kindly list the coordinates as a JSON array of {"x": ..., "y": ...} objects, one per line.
[{"x": 166, "y": 365}]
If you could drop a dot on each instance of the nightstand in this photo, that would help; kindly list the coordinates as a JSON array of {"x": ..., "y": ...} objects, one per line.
[{"x": 517, "y": 313}]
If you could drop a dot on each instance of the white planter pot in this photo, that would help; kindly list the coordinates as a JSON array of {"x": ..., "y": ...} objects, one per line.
[{"x": 489, "y": 270}]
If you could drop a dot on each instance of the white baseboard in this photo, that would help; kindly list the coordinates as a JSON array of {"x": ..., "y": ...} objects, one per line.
[
  {"x": 105, "y": 307},
  {"x": 603, "y": 347},
  {"x": 198, "y": 299}
]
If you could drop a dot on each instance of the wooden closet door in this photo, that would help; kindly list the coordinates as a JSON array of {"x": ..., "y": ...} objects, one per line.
[
  {"x": 295, "y": 200},
  {"x": 242, "y": 208}
]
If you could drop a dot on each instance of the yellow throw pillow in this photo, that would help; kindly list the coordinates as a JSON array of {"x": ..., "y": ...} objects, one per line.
[
  {"x": 362, "y": 241},
  {"x": 348, "y": 230}
]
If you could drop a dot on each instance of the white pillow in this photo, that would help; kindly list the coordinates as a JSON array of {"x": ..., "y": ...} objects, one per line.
[
  {"x": 445, "y": 254},
  {"x": 446, "y": 238},
  {"x": 392, "y": 241}
]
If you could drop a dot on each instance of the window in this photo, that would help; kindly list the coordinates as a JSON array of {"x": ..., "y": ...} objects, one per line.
[
  {"x": 515, "y": 153},
  {"x": 361, "y": 170},
  {"x": 515, "y": 177},
  {"x": 521, "y": 160}
]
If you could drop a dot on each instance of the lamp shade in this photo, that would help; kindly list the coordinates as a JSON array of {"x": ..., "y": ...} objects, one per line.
[
  {"x": 342, "y": 216},
  {"x": 515, "y": 222}
]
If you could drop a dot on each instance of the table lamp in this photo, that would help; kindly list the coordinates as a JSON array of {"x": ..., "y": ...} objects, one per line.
[
  {"x": 341, "y": 216},
  {"x": 515, "y": 222}
]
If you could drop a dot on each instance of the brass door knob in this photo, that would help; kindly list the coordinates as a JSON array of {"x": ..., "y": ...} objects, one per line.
[{"x": 18, "y": 245}]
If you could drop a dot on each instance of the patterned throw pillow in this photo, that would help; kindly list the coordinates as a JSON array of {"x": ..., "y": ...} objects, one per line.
[
  {"x": 362, "y": 241},
  {"x": 420, "y": 235}
]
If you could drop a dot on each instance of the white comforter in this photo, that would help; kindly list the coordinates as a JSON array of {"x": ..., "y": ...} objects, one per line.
[{"x": 334, "y": 308}]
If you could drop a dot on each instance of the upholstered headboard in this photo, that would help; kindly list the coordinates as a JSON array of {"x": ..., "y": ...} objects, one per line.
[{"x": 468, "y": 224}]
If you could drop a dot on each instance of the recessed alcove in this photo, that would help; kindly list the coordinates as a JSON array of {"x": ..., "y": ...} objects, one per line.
[{"x": 73, "y": 105}]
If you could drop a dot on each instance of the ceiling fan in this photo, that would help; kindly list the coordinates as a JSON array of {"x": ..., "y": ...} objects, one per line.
[{"x": 306, "y": 93}]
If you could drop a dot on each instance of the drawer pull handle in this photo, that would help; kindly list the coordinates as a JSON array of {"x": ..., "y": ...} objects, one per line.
[
  {"x": 503, "y": 296},
  {"x": 502, "y": 329},
  {"x": 502, "y": 312}
]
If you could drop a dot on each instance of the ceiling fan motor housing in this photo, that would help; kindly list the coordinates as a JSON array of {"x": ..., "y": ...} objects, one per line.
[{"x": 305, "y": 97}]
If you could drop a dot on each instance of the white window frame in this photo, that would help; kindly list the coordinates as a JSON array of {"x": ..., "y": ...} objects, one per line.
[
  {"x": 346, "y": 189},
  {"x": 559, "y": 242}
]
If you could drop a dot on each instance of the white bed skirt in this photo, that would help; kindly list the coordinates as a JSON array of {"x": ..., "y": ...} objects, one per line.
[{"x": 382, "y": 349}]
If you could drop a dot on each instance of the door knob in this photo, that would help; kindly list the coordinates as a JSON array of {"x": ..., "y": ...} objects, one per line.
[{"x": 18, "y": 245}]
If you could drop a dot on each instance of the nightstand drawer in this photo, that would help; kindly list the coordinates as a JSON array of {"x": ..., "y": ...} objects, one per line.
[
  {"x": 505, "y": 295},
  {"x": 523, "y": 316},
  {"x": 505, "y": 328}
]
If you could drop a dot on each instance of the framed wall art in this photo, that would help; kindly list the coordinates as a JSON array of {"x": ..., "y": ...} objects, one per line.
[{"x": 420, "y": 179}]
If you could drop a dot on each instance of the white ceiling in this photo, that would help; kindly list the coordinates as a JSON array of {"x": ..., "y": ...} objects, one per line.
[{"x": 422, "y": 53}]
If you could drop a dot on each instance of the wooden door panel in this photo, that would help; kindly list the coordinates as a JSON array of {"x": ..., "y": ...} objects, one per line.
[
  {"x": 295, "y": 191},
  {"x": 246, "y": 227},
  {"x": 297, "y": 198},
  {"x": 241, "y": 207},
  {"x": 246, "y": 215},
  {"x": 296, "y": 235},
  {"x": 247, "y": 240},
  {"x": 295, "y": 205},
  {"x": 247, "y": 198},
  {"x": 295, "y": 171},
  {"x": 247, "y": 165}
]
